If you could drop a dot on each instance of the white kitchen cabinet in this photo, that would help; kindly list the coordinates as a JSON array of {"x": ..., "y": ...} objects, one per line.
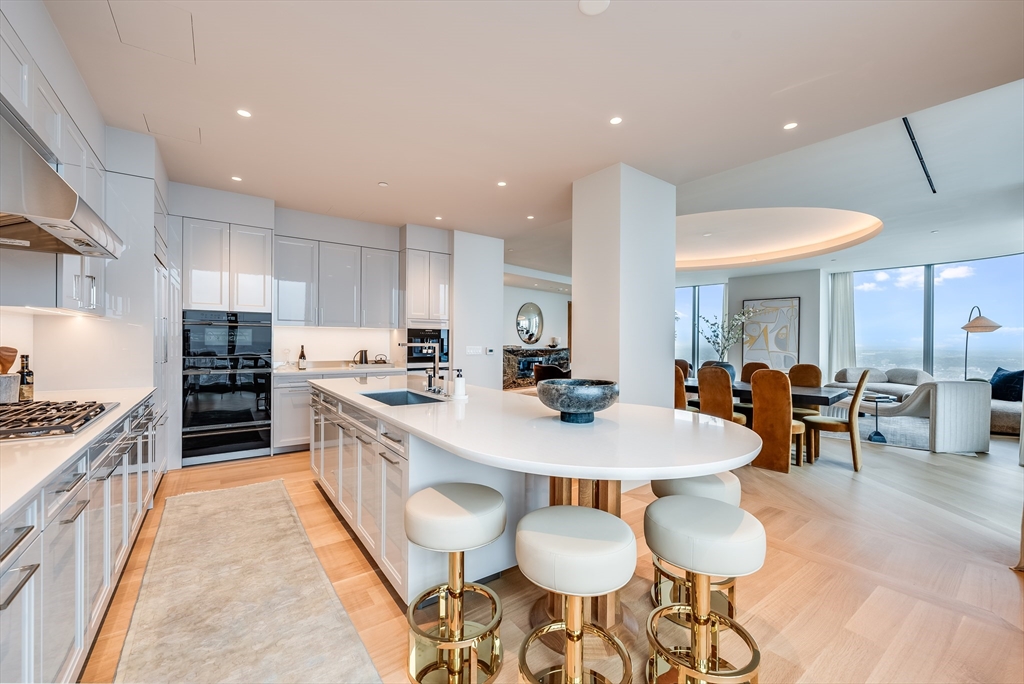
[
  {"x": 296, "y": 269},
  {"x": 16, "y": 72},
  {"x": 316, "y": 426},
  {"x": 291, "y": 415},
  {"x": 440, "y": 267},
  {"x": 379, "y": 282},
  {"x": 348, "y": 493},
  {"x": 74, "y": 153},
  {"x": 95, "y": 184},
  {"x": 206, "y": 264},
  {"x": 117, "y": 529},
  {"x": 69, "y": 281},
  {"x": 417, "y": 284},
  {"x": 252, "y": 268},
  {"x": 393, "y": 546},
  {"x": 370, "y": 487},
  {"x": 97, "y": 579},
  {"x": 64, "y": 542},
  {"x": 20, "y": 620},
  {"x": 330, "y": 473},
  {"x": 340, "y": 285},
  {"x": 47, "y": 115}
]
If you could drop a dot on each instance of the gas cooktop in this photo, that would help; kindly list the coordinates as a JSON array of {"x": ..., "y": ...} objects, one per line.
[{"x": 47, "y": 418}]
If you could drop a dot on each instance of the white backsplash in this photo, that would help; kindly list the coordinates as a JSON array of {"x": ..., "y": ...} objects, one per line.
[
  {"x": 16, "y": 331},
  {"x": 331, "y": 344}
]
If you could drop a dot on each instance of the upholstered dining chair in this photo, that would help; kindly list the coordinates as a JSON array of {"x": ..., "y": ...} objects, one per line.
[
  {"x": 773, "y": 420},
  {"x": 543, "y": 371},
  {"x": 680, "y": 401},
  {"x": 746, "y": 408},
  {"x": 715, "y": 388},
  {"x": 815, "y": 424},
  {"x": 684, "y": 366},
  {"x": 805, "y": 375}
]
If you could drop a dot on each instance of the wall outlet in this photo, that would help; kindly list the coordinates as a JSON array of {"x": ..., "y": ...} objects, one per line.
[
  {"x": 474, "y": 351},
  {"x": 490, "y": 351}
]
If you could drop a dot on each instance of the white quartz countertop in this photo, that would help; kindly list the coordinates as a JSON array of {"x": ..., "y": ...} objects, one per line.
[
  {"x": 388, "y": 369},
  {"x": 25, "y": 464},
  {"x": 517, "y": 432}
]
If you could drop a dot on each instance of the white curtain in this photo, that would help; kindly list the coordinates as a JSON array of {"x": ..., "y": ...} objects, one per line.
[{"x": 842, "y": 349}]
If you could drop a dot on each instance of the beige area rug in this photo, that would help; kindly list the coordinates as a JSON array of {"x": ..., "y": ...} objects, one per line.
[{"x": 233, "y": 592}]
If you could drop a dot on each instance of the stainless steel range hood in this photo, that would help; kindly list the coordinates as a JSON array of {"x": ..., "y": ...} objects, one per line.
[{"x": 39, "y": 211}]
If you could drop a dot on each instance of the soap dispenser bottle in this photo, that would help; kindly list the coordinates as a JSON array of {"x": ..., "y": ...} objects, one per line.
[{"x": 460, "y": 383}]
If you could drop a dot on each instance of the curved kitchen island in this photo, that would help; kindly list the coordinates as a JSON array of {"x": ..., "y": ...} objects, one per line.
[{"x": 368, "y": 456}]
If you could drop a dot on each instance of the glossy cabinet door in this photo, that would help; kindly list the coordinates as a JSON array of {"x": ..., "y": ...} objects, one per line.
[
  {"x": 95, "y": 184},
  {"x": 16, "y": 72},
  {"x": 251, "y": 264},
  {"x": 394, "y": 543},
  {"x": 348, "y": 496},
  {"x": 417, "y": 284},
  {"x": 75, "y": 153},
  {"x": 64, "y": 546},
  {"x": 316, "y": 440},
  {"x": 96, "y": 576},
  {"x": 440, "y": 267},
  {"x": 368, "y": 523},
  {"x": 291, "y": 418},
  {"x": 330, "y": 472},
  {"x": 205, "y": 263},
  {"x": 133, "y": 473},
  {"x": 340, "y": 285},
  {"x": 296, "y": 267},
  {"x": 70, "y": 288},
  {"x": 20, "y": 620},
  {"x": 379, "y": 288},
  {"x": 117, "y": 518},
  {"x": 47, "y": 115}
]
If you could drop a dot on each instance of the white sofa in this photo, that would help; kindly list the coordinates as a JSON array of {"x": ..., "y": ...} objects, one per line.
[{"x": 958, "y": 412}]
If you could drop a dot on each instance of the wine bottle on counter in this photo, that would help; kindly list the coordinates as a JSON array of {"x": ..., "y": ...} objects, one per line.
[
  {"x": 302, "y": 357},
  {"x": 26, "y": 391}
]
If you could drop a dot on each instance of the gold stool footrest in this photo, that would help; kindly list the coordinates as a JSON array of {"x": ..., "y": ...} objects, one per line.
[
  {"x": 556, "y": 674},
  {"x": 431, "y": 649},
  {"x": 681, "y": 659},
  {"x": 671, "y": 586}
]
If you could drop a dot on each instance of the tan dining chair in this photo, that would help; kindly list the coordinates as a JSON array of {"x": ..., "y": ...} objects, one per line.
[
  {"x": 747, "y": 372},
  {"x": 815, "y": 424},
  {"x": 715, "y": 388},
  {"x": 805, "y": 375},
  {"x": 680, "y": 401},
  {"x": 773, "y": 420},
  {"x": 684, "y": 366}
]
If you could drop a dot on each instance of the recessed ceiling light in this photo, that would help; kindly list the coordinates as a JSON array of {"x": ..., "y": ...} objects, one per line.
[
  {"x": 511, "y": 250},
  {"x": 244, "y": 113},
  {"x": 934, "y": 231},
  {"x": 593, "y": 7},
  {"x": 382, "y": 184},
  {"x": 437, "y": 218},
  {"x": 832, "y": 259},
  {"x": 753, "y": 259},
  {"x": 707, "y": 234},
  {"x": 501, "y": 184},
  {"x": 235, "y": 178},
  {"x": 535, "y": 284},
  {"x": 789, "y": 126},
  {"x": 615, "y": 120},
  {"x": 530, "y": 217}
]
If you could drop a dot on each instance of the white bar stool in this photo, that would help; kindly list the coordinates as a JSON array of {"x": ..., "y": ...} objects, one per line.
[
  {"x": 453, "y": 518},
  {"x": 670, "y": 587},
  {"x": 702, "y": 537},
  {"x": 578, "y": 552}
]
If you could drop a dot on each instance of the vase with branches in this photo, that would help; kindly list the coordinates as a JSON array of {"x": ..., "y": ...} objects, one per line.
[{"x": 722, "y": 335}]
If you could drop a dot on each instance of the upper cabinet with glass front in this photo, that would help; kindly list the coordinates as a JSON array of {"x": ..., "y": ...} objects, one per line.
[{"x": 226, "y": 267}]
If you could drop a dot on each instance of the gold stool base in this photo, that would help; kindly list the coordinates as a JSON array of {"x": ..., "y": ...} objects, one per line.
[
  {"x": 432, "y": 652},
  {"x": 677, "y": 664},
  {"x": 671, "y": 585},
  {"x": 660, "y": 671},
  {"x": 556, "y": 674}
]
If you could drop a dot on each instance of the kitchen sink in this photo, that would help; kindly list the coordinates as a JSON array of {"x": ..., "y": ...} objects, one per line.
[{"x": 400, "y": 398}]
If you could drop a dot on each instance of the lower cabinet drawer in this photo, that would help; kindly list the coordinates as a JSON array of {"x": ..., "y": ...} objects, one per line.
[{"x": 20, "y": 623}]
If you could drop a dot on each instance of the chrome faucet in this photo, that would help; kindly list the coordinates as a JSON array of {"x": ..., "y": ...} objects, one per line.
[{"x": 436, "y": 348}]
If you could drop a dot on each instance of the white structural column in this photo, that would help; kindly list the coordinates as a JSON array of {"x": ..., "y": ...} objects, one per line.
[
  {"x": 477, "y": 297},
  {"x": 623, "y": 282}
]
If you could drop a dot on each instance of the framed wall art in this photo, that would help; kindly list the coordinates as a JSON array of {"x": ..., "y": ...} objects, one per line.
[{"x": 773, "y": 336}]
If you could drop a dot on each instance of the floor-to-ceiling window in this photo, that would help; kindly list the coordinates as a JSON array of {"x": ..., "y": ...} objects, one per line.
[
  {"x": 684, "y": 323},
  {"x": 997, "y": 286},
  {"x": 709, "y": 305},
  {"x": 707, "y": 300},
  {"x": 906, "y": 320}
]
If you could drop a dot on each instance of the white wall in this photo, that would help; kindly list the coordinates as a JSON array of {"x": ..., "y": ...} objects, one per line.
[
  {"x": 16, "y": 330},
  {"x": 477, "y": 306},
  {"x": 329, "y": 344},
  {"x": 302, "y": 224},
  {"x": 812, "y": 289},
  {"x": 553, "y": 306},
  {"x": 218, "y": 205}
]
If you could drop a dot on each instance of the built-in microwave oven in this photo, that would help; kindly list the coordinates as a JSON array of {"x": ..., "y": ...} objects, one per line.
[{"x": 418, "y": 357}]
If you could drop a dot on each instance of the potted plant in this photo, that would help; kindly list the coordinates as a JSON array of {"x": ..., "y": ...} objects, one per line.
[{"x": 722, "y": 335}]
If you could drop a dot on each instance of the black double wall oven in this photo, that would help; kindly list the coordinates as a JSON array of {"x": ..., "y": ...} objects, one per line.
[{"x": 226, "y": 386}]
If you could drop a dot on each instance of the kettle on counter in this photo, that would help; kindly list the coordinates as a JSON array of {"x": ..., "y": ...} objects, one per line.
[{"x": 361, "y": 357}]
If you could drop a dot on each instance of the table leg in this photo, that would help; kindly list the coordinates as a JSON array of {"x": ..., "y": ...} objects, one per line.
[
  {"x": 876, "y": 436},
  {"x": 607, "y": 610}
]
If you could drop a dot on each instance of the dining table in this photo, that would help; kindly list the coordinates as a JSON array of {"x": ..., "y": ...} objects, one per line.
[{"x": 812, "y": 396}]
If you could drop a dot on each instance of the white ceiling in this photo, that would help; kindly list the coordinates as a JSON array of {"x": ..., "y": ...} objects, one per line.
[{"x": 443, "y": 99}]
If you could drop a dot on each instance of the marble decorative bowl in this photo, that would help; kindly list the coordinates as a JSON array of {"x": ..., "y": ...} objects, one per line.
[{"x": 577, "y": 400}]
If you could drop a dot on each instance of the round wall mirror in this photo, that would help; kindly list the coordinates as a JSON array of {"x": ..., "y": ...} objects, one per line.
[{"x": 529, "y": 323}]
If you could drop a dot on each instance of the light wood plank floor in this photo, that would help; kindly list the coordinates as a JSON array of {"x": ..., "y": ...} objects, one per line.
[{"x": 898, "y": 573}]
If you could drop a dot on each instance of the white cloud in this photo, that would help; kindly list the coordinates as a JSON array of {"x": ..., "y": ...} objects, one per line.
[
  {"x": 910, "y": 277},
  {"x": 952, "y": 272},
  {"x": 869, "y": 287},
  {"x": 881, "y": 276}
]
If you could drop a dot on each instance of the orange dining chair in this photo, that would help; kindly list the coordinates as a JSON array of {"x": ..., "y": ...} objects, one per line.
[
  {"x": 815, "y": 424},
  {"x": 747, "y": 409},
  {"x": 680, "y": 401},
  {"x": 805, "y": 375},
  {"x": 715, "y": 388},
  {"x": 773, "y": 420}
]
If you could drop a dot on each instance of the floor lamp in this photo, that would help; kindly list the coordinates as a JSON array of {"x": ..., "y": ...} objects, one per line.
[{"x": 976, "y": 324}]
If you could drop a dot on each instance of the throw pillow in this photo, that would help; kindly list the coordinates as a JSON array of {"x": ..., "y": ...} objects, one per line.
[
  {"x": 908, "y": 376},
  {"x": 853, "y": 375},
  {"x": 1007, "y": 385}
]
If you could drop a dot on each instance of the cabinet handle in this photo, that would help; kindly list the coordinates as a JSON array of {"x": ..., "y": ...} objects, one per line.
[
  {"x": 92, "y": 293},
  {"x": 385, "y": 457},
  {"x": 320, "y": 319},
  {"x": 27, "y": 572},
  {"x": 76, "y": 289},
  {"x": 111, "y": 469},
  {"x": 364, "y": 441},
  {"x": 82, "y": 505},
  {"x": 393, "y": 439},
  {"x": 21, "y": 533},
  {"x": 70, "y": 485}
]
